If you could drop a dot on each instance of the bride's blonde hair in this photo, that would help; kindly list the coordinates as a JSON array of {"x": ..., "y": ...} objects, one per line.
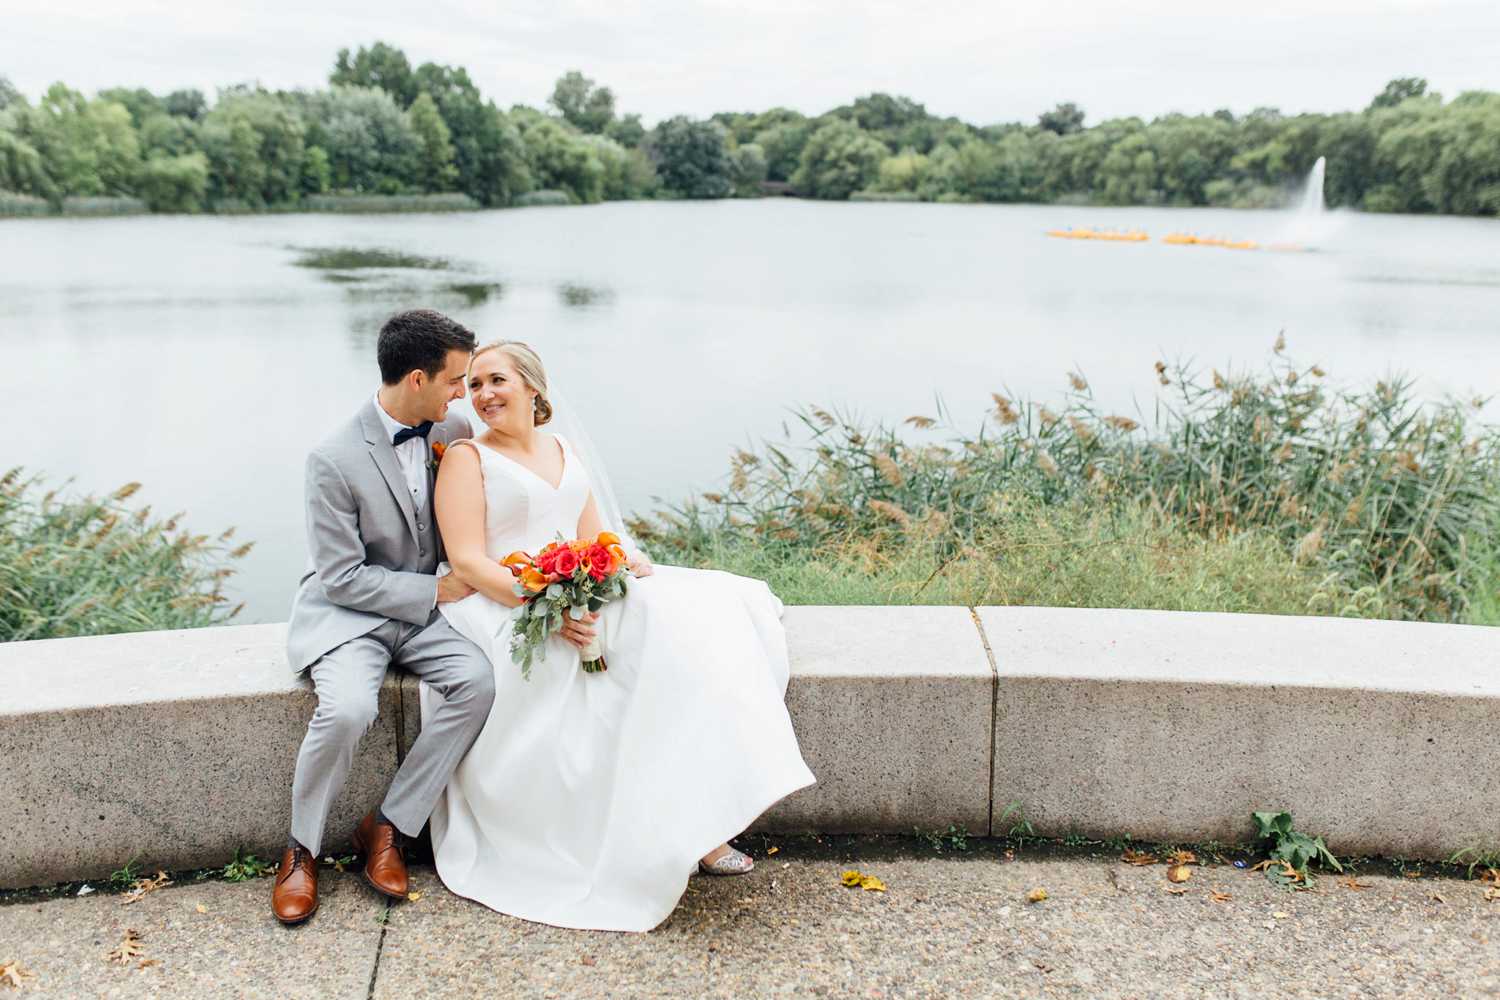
[{"x": 529, "y": 366}]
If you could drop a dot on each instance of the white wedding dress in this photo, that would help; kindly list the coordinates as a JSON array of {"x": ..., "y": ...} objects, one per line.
[{"x": 587, "y": 799}]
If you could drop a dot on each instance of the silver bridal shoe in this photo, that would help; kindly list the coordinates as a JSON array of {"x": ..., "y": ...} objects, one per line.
[{"x": 732, "y": 863}]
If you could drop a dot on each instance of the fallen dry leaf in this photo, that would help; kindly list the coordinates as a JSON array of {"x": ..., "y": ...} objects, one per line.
[
  {"x": 1412, "y": 874},
  {"x": 1183, "y": 858},
  {"x": 129, "y": 948},
  {"x": 1036, "y": 895},
  {"x": 1220, "y": 897},
  {"x": 201, "y": 908},
  {"x": 1179, "y": 873},
  {"x": 147, "y": 963},
  {"x": 850, "y": 877},
  {"x": 1134, "y": 857},
  {"x": 1438, "y": 899},
  {"x": 1490, "y": 875},
  {"x": 1175, "y": 891},
  {"x": 12, "y": 975},
  {"x": 1491, "y": 894},
  {"x": 772, "y": 850},
  {"x": 872, "y": 883},
  {"x": 1353, "y": 883},
  {"x": 415, "y": 896},
  {"x": 145, "y": 886}
]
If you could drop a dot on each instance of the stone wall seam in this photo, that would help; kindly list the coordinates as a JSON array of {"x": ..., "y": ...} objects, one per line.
[{"x": 989, "y": 655}]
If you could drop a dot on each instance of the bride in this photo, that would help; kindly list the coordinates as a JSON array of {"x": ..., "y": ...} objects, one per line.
[{"x": 589, "y": 798}]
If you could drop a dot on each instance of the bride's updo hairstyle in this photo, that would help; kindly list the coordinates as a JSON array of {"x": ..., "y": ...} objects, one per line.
[{"x": 529, "y": 367}]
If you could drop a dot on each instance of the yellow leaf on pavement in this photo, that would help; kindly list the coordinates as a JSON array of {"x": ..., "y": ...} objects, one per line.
[
  {"x": 1134, "y": 857},
  {"x": 12, "y": 975},
  {"x": 415, "y": 896},
  {"x": 1179, "y": 873},
  {"x": 872, "y": 883},
  {"x": 129, "y": 948},
  {"x": 201, "y": 908},
  {"x": 772, "y": 850},
  {"x": 851, "y": 877},
  {"x": 1036, "y": 895}
]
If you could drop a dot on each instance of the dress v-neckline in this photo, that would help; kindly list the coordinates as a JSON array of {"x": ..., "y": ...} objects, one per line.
[{"x": 529, "y": 470}]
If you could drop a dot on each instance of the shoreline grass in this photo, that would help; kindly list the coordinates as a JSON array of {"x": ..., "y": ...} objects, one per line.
[
  {"x": 1384, "y": 505},
  {"x": 72, "y": 566}
]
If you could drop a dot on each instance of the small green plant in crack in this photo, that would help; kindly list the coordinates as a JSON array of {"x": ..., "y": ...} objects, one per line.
[
  {"x": 1486, "y": 858},
  {"x": 1076, "y": 839},
  {"x": 1291, "y": 851},
  {"x": 1021, "y": 829},
  {"x": 126, "y": 876},
  {"x": 956, "y": 838},
  {"x": 246, "y": 867},
  {"x": 1118, "y": 844}
]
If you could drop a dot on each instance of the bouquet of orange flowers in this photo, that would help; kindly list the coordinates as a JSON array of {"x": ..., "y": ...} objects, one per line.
[{"x": 565, "y": 578}]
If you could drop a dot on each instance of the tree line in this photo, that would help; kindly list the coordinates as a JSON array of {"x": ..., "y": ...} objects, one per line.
[{"x": 383, "y": 127}]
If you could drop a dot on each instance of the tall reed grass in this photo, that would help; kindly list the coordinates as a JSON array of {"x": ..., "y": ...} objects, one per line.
[
  {"x": 89, "y": 565},
  {"x": 1383, "y": 502}
]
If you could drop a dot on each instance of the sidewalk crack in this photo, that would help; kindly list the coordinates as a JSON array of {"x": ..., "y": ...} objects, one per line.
[{"x": 385, "y": 924}]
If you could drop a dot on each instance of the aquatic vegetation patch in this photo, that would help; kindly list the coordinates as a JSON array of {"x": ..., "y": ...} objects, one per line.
[
  {"x": 355, "y": 258},
  {"x": 476, "y": 293},
  {"x": 583, "y": 296}
]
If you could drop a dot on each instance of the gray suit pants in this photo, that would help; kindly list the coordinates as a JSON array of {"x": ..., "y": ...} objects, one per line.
[{"x": 347, "y": 680}]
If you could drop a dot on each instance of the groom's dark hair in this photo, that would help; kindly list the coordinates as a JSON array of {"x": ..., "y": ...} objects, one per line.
[{"x": 419, "y": 338}]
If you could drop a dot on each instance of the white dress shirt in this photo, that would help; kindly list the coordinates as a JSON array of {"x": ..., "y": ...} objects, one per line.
[{"x": 412, "y": 455}]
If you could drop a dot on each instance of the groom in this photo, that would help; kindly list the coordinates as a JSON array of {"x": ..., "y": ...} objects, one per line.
[{"x": 370, "y": 599}]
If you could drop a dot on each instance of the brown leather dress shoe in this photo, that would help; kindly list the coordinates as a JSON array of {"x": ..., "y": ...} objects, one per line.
[
  {"x": 385, "y": 862},
  {"x": 295, "y": 895}
]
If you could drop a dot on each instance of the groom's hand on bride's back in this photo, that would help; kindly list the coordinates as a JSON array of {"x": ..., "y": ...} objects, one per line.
[{"x": 451, "y": 588}]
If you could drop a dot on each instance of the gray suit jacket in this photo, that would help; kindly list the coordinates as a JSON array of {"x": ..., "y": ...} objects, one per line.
[{"x": 372, "y": 552}]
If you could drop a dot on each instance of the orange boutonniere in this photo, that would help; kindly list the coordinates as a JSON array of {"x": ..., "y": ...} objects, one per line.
[{"x": 437, "y": 455}]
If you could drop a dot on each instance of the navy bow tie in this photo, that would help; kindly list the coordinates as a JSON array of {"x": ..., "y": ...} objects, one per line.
[{"x": 406, "y": 433}]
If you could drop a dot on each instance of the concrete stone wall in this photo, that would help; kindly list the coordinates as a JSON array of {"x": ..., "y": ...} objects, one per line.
[{"x": 177, "y": 747}]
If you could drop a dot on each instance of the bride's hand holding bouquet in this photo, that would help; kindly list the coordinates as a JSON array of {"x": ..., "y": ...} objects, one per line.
[{"x": 564, "y": 585}]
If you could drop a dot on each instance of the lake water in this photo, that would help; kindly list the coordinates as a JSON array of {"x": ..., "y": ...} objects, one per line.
[{"x": 192, "y": 354}]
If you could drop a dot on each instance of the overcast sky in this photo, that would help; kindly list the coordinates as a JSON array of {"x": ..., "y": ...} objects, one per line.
[{"x": 984, "y": 62}]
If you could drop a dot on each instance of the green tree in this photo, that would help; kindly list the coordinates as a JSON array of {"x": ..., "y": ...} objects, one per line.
[
  {"x": 583, "y": 105},
  {"x": 22, "y": 168},
  {"x": 691, "y": 158},
  {"x": 1400, "y": 89},
  {"x": 627, "y": 130},
  {"x": 317, "y": 174},
  {"x": 87, "y": 147},
  {"x": 562, "y": 159},
  {"x": 903, "y": 172},
  {"x": 171, "y": 135},
  {"x": 140, "y": 102},
  {"x": 747, "y": 169},
  {"x": 1065, "y": 119},
  {"x": 839, "y": 159},
  {"x": 487, "y": 148},
  {"x": 186, "y": 104},
  {"x": 381, "y": 66},
  {"x": 173, "y": 183},
  {"x": 371, "y": 144},
  {"x": 437, "y": 172},
  {"x": 255, "y": 143},
  {"x": 9, "y": 95}
]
